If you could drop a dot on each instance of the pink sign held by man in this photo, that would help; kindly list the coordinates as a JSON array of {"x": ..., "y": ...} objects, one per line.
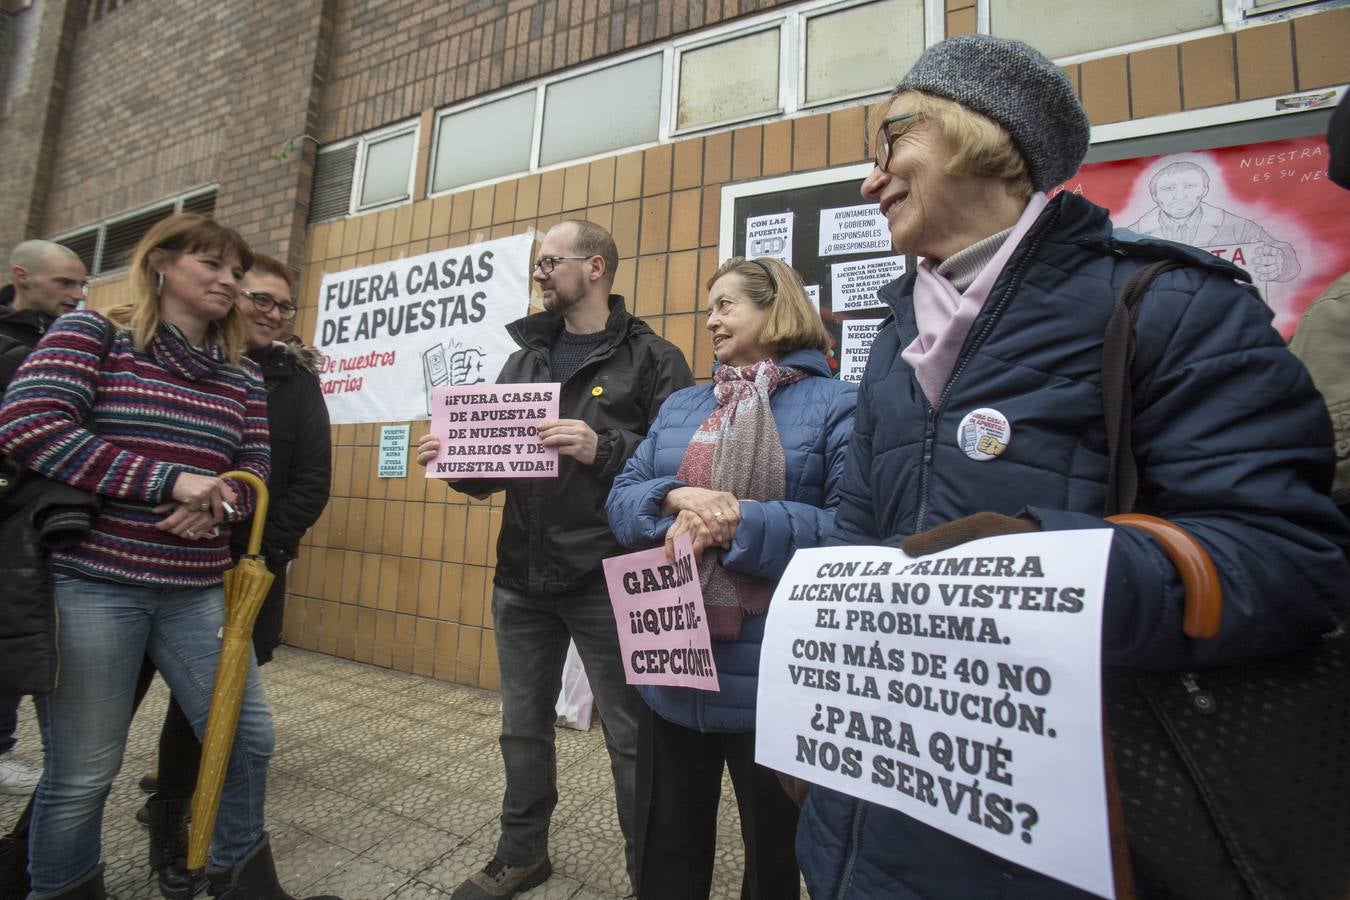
[
  {"x": 658, "y": 607},
  {"x": 492, "y": 431}
]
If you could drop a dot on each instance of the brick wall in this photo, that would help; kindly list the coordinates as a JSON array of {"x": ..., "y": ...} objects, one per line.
[
  {"x": 30, "y": 127},
  {"x": 148, "y": 108},
  {"x": 267, "y": 165},
  {"x": 394, "y": 59}
]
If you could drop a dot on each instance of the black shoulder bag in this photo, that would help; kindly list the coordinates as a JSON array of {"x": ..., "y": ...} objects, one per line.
[{"x": 1234, "y": 781}]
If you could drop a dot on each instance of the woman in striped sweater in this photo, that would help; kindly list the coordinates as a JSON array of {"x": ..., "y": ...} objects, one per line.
[{"x": 146, "y": 427}]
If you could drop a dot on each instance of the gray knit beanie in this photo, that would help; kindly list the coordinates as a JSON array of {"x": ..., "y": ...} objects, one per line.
[{"x": 1013, "y": 84}]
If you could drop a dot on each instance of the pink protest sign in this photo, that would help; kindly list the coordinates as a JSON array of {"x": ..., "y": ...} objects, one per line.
[
  {"x": 658, "y": 606},
  {"x": 491, "y": 431}
]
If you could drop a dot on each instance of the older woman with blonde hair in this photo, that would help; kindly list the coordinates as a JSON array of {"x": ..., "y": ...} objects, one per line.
[
  {"x": 142, "y": 408},
  {"x": 748, "y": 466},
  {"x": 982, "y": 411}
]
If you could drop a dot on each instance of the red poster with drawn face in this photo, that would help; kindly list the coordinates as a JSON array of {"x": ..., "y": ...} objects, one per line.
[{"x": 1269, "y": 208}]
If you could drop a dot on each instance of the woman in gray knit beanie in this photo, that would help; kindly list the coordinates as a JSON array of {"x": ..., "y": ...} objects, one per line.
[{"x": 981, "y": 412}]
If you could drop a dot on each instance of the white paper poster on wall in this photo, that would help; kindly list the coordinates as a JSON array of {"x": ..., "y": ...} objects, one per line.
[
  {"x": 813, "y": 294},
  {"x": 962, "y": 688},
  {"x": 854, "y": 345},
  {"x": 853, "y": 229},
  {"x": 854, "y": 285},
  {"x": 392, "y": 331},
  {"x": 769, "y": 236}
]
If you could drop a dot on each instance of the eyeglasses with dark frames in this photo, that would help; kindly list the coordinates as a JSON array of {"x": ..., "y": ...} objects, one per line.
[
  {"x": 264, "y": 303},
  {"x": 546, "y": 264},
  {"x": 886, "y": 137}
]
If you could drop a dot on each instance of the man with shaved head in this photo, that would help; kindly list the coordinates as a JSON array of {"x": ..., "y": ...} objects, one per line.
[{"x": 47, "y": 281}]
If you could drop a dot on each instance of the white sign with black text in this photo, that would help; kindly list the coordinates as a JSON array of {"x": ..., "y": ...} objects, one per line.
[
  {"x": 962, "y": 689},
  {"x": 855, "y": 345}
]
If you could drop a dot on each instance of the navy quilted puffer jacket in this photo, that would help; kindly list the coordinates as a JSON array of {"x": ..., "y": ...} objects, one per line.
[
  {"x": 814, "y": 418},
  {"x": 1233, "y": 443}
]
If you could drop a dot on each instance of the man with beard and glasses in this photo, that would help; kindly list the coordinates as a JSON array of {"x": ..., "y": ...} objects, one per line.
[{"x": 549, "y": 587}]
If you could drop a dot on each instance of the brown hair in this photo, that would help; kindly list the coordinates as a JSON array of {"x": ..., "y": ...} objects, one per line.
[
  {"x": 590, "y": 240},
  {"x": 980, "y": 146},
  {"x": 179, "y": 234},
  {"x": 270, "y": 265},
  {"x": 771, "y": 284}
]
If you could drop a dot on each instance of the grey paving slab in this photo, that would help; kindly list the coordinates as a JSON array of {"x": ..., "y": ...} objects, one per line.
[{"x": 388, "y": 786}]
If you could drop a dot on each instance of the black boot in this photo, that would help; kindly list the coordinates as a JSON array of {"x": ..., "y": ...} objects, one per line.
[
  {"x": 168, "y": 849},
  {"x": 14, "y": 857},
  {"x": 13, "y": 867},
  {"x": 254, "y": 878},
  {"x": 90, "y": 887}
]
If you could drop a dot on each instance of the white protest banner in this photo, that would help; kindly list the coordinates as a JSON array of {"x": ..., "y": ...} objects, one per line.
[
  {"x": 492, "y": 431},
  {"x": 854, "y": 346},
  {"x": 769, "y": 236},
  {"x": 854, "y": 285},
  {"x": 962, "y": 689},
  {"x": 853, "y": 229},
  {"x": 658, "y": 608},
  {"x": 392, "y": 331}
]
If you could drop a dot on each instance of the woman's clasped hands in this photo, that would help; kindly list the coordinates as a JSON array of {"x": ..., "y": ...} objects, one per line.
[
  {"x": 709, "y": 517},
  {"x": 200, "y": 504}
]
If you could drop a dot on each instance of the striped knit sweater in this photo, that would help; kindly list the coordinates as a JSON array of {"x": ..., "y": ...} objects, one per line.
[{"x": 153, "y": 415}]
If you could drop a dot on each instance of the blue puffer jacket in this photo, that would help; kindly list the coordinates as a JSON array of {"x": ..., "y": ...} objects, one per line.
[
  {"x": 815, "y": 420},
  {"x": 1233, "y": 443}
]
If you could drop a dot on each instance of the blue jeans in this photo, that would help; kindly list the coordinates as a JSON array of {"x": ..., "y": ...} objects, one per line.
[
  {"x": 105, "y": 631},
  {"x": 9, "y": 722},
  {"x": 532, "y": 633}
]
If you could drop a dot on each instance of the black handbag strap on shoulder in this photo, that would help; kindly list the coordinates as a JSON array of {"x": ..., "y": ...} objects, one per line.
[{"x": 1122, "y": 485}]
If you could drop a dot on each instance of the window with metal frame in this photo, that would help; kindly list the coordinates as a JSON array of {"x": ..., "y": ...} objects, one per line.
[
  {"x": 1061, "y": 29},
  {"x": 386, "y": 167},
  {"x": 490, "y": 140},
  {"x": 107, "y": 246},
  {"x": 85, "y": 245},
  {"x": 330, "y": 196},
  {"x": 732, "y": 80},
  {"x": 858, "y": 50},
  {"x": 602, "y": 110}
]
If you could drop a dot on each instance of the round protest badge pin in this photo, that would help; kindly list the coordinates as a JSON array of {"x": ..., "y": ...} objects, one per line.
[
  {"x": 597, "y": 391},
  {"x": 984, "y": 434}
]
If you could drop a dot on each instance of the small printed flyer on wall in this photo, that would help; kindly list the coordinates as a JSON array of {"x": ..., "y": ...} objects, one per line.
[
  {"x": 492, "y": 431},
  {"x": 393, "y": 459}
]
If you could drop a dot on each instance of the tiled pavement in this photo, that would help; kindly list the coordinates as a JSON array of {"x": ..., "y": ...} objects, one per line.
[{"x": 387, "y": 785}]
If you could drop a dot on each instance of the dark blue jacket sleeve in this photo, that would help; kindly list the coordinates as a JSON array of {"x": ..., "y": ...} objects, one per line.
[
  {"x": 634, "y": 504},
  {"x": 771, "y": 532},
  {"x": 1234, "y": 444},
  {"x": 855, "y": 518}
]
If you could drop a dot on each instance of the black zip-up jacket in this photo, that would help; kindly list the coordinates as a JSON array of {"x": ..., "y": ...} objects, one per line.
[
  {"x": 20, "y": 330},
  {"x": 297, "y": 428},
  {"x": 39, "y": 514},
  {"x": 554, "y": 530}
]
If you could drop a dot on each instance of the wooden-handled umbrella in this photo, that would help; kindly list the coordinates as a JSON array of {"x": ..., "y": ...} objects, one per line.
[{"x": 246, "y": 586}]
